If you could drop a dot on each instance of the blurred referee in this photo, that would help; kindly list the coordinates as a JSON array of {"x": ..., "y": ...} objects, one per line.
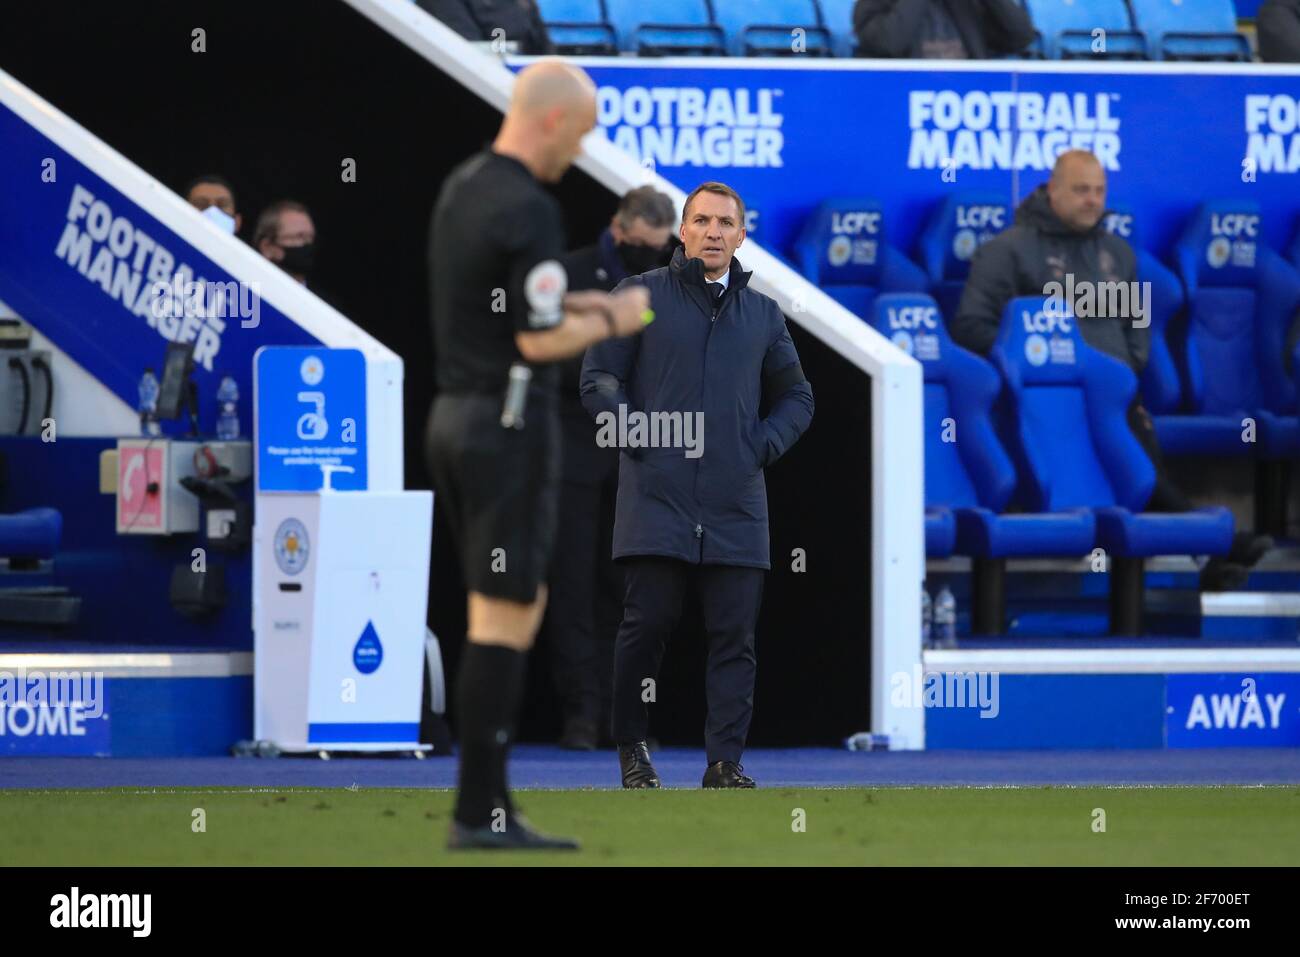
[{"x": 500, "y": 316}]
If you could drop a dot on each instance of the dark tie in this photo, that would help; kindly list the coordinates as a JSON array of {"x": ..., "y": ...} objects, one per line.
[{"x": 716, "y": 289}]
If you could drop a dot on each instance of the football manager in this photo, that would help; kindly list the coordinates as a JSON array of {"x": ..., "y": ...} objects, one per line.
[{"x": 694, "y": 518}]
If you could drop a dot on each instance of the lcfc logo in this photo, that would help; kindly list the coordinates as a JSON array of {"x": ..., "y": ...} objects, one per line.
[
  {"x": 964, "y": 243},
  {"x": 1217, "y": 253},
  {"x": 903, "y": 340},
  {"x": 1053, "y": 319},
  {"x": 853, "y": 223},
  {"x": 291, "y": 546},
  {"x": 1035, "y": 349},
  {"x": 913, "y": 317},
  {"x": 1120, "y": 224},
  {"x": 840, "y": 250}
]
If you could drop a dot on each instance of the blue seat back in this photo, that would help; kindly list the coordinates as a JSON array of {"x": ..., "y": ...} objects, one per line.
[
  {"x": 678, "y": 26},
  {"x": 1161, "y": 383},
  {"x": 766, "y": 28},
  {"x": 1241, "y": 298},
  {"x": 957, "y": 227},
  {"x": 1070, "y": 402},
  {"x": 578, "y": 25},
  {"x": 1190, "y": 29},
  {"x": 837, "y": 17},
  {"x": 1067, "y": 29},
  {"x": 841, "y": 248},
  {"x": 965, "y": 464}
]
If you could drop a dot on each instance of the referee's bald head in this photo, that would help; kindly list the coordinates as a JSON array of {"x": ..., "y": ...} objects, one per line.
[{"x": 552, "y": 107}]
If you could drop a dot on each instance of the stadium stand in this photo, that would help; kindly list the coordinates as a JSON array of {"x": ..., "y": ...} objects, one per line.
[
  {"x": 1190, "y": 29},
  {"x": 956, "y": 228},
  {"x": 837, "y": 17},
  {"x": 1067, "y": 30},
  {"x": 670, "y": 27},
  {"x": 1133, "y": 29},
  {"x": 578, "y": 27},
  {"x": 767, "y": 29},
  {"x": 842, "y": 248},
  {"x": 968, "y": 474},
  {"x": 1061, "y": 390}
]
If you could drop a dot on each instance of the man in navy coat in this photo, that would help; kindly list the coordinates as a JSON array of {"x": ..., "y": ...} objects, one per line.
[{"x": 682, "y": 403}]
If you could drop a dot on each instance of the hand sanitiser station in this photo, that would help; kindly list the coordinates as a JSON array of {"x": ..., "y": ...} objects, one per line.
[{"x": 340, "y": 557}]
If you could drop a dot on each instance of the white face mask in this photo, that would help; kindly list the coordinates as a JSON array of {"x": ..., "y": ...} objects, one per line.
[{"x": 223, "y": 219}]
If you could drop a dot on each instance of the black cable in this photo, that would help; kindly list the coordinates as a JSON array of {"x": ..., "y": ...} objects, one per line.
[
  {"x": 39, "y": 363},
  {"x": 17, "y": 363}
]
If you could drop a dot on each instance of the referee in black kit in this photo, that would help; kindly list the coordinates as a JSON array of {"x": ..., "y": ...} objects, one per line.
[{"x": 501, "y": 315}]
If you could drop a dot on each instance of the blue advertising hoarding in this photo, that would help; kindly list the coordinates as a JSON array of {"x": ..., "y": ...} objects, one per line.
[
  {"x": 1233, "y": 710},
  {"x": 789, "y": 136}
]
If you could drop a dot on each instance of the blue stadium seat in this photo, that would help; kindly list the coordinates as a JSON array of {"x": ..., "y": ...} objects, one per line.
[
  {"x": 767, "y": 28},
  {"x": 967, "y": 471},
  {"x": 666, "y": 27},
  {"x": 1162, "y": 388},
  {"x": 837, "y": 17},
  {"x": 842, "y": 249},
  {"x": 1073, "y": 435},
  {"x": 578, "y": 27},
  {"x": 1190, "y": 29},
  {"x": 28, "y": 539},
  {"x": 30, "y": 535},
  {"x": 1065, "y": 28},
  {"x": 958, "y": 226},
  {"x": 1241, "y": 297}
]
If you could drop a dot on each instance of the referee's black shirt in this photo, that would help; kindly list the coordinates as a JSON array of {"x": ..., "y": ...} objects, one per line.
[{"x": 494, "y": 247}]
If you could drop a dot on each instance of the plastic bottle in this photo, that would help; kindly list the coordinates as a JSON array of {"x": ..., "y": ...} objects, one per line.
[
  {"x": 927, "y": 640},
  {"x": 148, "y": 407},
  {"x": 945, "y": 619},
  {"x": 228, "y": 409}
]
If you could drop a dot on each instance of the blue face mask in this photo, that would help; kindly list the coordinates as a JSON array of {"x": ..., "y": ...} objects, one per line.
[{"x": 221, "y": 218}]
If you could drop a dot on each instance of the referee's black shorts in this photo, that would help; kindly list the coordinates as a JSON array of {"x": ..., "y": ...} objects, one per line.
[{"x": 498, "y": 489}]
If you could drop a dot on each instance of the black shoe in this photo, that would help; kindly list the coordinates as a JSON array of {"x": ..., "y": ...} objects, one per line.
[
  {"x": 1221, "y": 575},
  {"x": 638, "y": 772},
  {"x": 726, "y": 774},
  {"x": 518, "y": 835},
  {"x": 579, "y": 735}
]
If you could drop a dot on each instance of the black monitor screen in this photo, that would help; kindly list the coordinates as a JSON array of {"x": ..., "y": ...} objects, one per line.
[{"x": 176, "y": 372}]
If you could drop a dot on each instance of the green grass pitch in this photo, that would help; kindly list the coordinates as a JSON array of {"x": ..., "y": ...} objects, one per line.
[{"x": 841, "y": 826}]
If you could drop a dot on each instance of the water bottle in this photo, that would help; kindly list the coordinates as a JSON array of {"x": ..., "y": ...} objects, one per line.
[
  {"x": 148, "y": 407},
  {"x": 228, "y": 409},
  {"x": 945, "y": 619},
  {"x": 926, "y": 618},
  {"x": 867, "y": 741}
]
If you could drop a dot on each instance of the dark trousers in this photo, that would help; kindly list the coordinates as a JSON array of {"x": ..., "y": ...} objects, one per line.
[
  {"x": 729, "y": 596},
  {"x": 1166, "y": 496},
  {"x": 582, "y": 609}
]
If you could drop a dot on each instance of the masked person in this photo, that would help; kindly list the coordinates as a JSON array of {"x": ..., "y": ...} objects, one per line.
[
  {"x": 286, "y": 235},
  {"x": 584, "y": 610},
  {"x": 215, "y": 192}
]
